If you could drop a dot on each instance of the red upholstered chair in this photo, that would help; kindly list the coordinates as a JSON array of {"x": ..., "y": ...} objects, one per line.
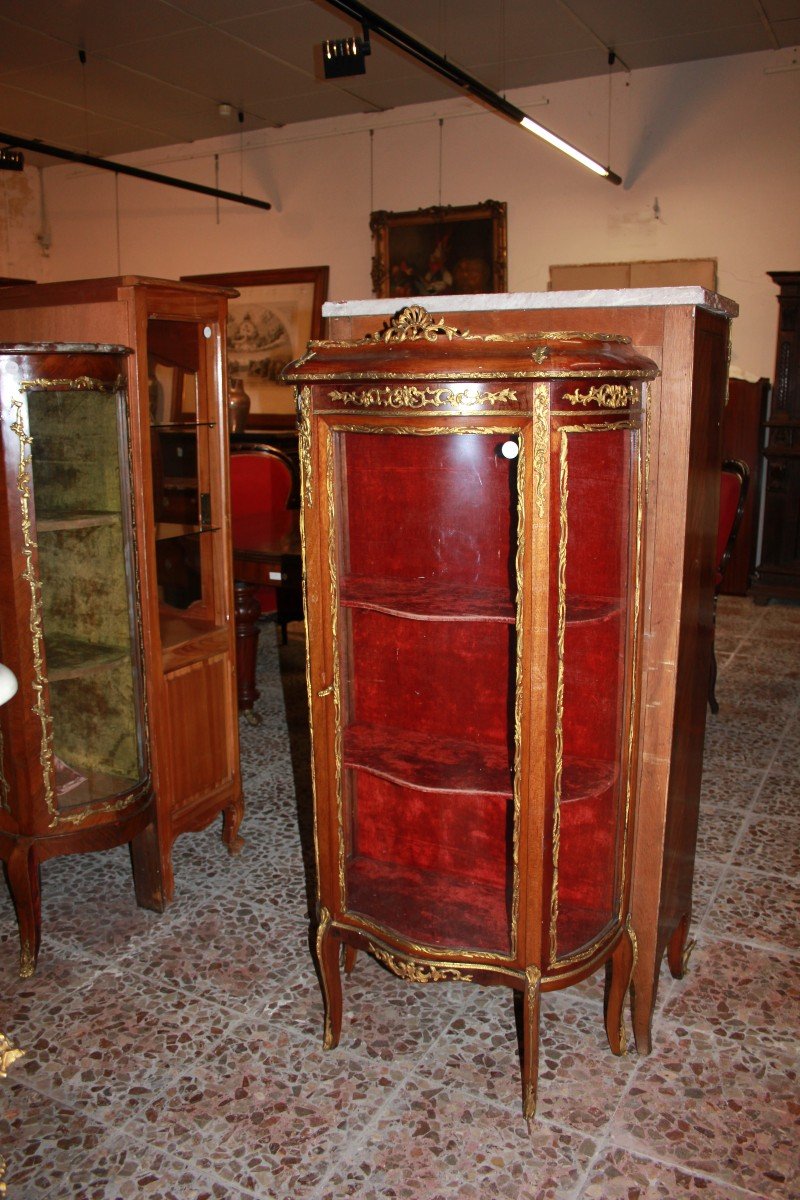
[
  {"x": 261, "y": 483},
  {"x": 734, "y": 482}
]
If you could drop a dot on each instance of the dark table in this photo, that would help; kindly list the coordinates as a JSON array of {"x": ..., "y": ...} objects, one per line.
[{"x": 266, "y": 553}]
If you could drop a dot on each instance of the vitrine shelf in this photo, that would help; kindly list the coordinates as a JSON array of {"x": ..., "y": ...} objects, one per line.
[
  {"x": 74, "y": 749},
  {"x": 474, "y": 557},
  {"x": 175, "y": 377}
]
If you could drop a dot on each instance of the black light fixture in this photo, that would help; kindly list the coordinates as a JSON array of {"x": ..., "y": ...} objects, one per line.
[
  {"x": 370, "y": 20},
  {"x": 11, "y": 160},
  {"x": 342, "y": 57}
]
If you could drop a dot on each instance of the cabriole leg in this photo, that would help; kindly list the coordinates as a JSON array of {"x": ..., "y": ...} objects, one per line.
[
  {"x": 679, "y": 948},
  {"x": 231, "y": 820},
  {"x": 530, "y": 1042},
  {"x": 328, "y": 962},
  {"x": 24, "y": 884},
  {"x": 618, "y": 983}
]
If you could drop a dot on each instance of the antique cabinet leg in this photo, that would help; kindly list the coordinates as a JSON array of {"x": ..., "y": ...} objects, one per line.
[
  {"x": 246, "y": 611},
  {"x": 231, "y": 820},
  {"x": 350, "y": 955},
  {"x": 619, "y": 979},
  {"x": 679, "y": 948},
  {"x": 24, "y": 884},
  {"x": 328, "y": 962},
  {"x": 530, "y": 1042},
  {"x": 146, "y": 862}
]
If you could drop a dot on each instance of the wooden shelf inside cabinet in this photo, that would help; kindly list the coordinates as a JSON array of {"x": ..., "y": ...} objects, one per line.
[
  {"x": 73, "y": 658},
  {"x": 428, "y": 600},
  {"x": 64, "y": 522},
  {"x": 432, "y": 764},
  {"x": 89, "y": 789},
  {"x": 166, "y": 531},
  {"x": 582, "y": 610}
]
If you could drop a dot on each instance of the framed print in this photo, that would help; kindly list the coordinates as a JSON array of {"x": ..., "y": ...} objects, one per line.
[
  {"x": 440, "y": 251},
  {"x": 269, "y": 323}
]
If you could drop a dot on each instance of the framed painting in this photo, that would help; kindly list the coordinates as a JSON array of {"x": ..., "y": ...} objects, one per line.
[
  {"x": 269, "y": 323},
  {"x": 440, "y": 251}
]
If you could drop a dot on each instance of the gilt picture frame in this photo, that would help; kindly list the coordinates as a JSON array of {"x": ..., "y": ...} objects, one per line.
[
  {"x": 270, "y": 322},
  {"x": 440, "y": 251}
]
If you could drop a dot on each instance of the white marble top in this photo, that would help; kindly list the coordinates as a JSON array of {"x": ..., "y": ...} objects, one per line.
[{"x": 696, "y": 297}]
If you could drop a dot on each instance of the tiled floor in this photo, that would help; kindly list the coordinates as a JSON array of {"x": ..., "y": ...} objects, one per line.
[{"x": 180, "y": 1055}]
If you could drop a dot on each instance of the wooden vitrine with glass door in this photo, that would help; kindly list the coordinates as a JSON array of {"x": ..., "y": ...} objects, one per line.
[
  {"x": 74, "y": 747},
  {"x": 179, "y": 458},
  {"x": 473, "y": 536}
]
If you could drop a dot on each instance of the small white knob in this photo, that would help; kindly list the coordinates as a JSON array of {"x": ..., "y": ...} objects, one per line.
[
  {"x": 509, "y": 449},
  {"x": 8, "y": 683},
  {"x": 207, "y": 331}
]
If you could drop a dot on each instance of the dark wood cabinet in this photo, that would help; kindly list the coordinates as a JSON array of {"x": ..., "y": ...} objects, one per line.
[
  {"x": 175, "y": 377},
  {"x": 473, "y": 514},
  {"x": 778, "y": 571},
  {"x": 74, "y": 748},
  {"x": 742, "y": 430}
]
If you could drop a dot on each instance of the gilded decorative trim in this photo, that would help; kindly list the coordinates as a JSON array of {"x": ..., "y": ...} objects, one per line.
[
  {"x": 322, "y": 931},
  {"x": 607, "y": 395},
  {"x": 27, "y": 962},
  {"x": 564, "y": 431},
  {"x": 449, "y": 374},
  {"x": 39, "y": 682},
  {"x": 408, "y": 396},
  {"x": 574, "y": 335},
  {"x": 304, "y": 440},
  {"x": 337, "y": 699},
  {"x": 4, "y": 788},
  {"x": 8, "y": 1055},
  {"x": 533, "y": 978},
  {"x": 419, "y": 972},
  {"x": 541, "y": 433},
  {"x": 82, "y": 384},
  {"x": 413, "y": 323}
]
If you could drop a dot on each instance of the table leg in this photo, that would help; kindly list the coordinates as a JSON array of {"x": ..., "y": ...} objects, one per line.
[{"x": 246, "y": 611}]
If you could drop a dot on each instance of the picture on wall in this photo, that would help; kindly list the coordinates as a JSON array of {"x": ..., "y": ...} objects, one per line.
[
  {"x": 440, "y": 251},
  {"x": 270, "y": 323}
]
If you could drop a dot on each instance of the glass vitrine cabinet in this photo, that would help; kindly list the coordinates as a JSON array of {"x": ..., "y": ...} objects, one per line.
[
  {"x": 175, "y": 377},
  {"x": 473, "y": 514},
  {"x": 75, "y": 762}
]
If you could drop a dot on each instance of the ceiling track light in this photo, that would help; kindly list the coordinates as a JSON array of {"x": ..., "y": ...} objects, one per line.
[
  {"x": 476, "y": 90},
  {"x": 106, "y": 164},
  {"x": 11, "y": 160},
  {"x": 343, "y": 57}
]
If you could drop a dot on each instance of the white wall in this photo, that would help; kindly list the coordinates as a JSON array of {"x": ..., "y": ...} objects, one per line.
[{"x": 714, "y": 143}]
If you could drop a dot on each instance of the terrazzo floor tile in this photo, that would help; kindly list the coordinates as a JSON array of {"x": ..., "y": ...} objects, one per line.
[
  {"x": 438, "y": 1142},
  {"x": 779, "y": 795},
  {"x": 757, "y": 908},
  {"x": 717, "y": 1107},
  {"x": 618, "y": 1175},
  {"x": 754, "y": 995},
  {"x": 770, "y": 844},
  {"x": 717, "y": 832}
]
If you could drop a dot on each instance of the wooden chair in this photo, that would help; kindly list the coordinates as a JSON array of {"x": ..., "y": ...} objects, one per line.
[
  {"x": 734, "y": 482},
  {"x": 261, "y": 485}
]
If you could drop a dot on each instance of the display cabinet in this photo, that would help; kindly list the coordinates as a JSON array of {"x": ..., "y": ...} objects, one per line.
[
  {"x": 179, "y": 455},
  {"x": 778, "y": 571},
  {"x": 473, "y": 514},
  {"x": 74, "y": 769}
]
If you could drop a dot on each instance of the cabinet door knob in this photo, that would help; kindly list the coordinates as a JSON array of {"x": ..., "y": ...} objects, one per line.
[{"x": 325, "y": 691}]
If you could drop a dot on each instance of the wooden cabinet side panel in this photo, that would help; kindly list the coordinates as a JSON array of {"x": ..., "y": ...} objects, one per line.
[{"x": 199, "y": 700}]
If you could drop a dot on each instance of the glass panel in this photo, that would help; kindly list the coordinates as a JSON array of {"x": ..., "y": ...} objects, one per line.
[
  {"x": 180, "y": 450},
  {"x": 87, "y": 589},
  {"x": 426, "y": 639},
  {"x": 596, "y": 493}
]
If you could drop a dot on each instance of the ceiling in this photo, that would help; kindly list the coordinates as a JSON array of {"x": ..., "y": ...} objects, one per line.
[{"x": 157, "y": 71}]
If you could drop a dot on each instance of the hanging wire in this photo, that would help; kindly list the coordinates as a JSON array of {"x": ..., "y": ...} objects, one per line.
[
  {"x": 116, "y": 205},
  {"x": 612, "y": 58},
  {"x": 216, "y": 183},
  {"x": 503, "y": 48},
  {"x": 82, "y": 60},
  {"x": 441, "y": 133},
  {"x": 372, "y": 170},
  {"x": 241, "y": 153}
]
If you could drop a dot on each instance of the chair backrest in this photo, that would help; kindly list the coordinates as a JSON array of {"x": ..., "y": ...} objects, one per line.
[
  {"x": 261, "y": 480},
  {"x": 734, "y": 482}
]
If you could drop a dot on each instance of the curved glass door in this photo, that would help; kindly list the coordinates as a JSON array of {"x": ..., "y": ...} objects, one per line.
[
  {"x": 425, "y": 570},
  {"x": 89, "y": 610}
]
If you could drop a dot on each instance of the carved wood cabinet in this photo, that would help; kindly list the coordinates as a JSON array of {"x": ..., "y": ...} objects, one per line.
[
  {"x": 74, "y": 757},
  {"x": 175, "y": 376},
  {"x": 473, "y": 516}
]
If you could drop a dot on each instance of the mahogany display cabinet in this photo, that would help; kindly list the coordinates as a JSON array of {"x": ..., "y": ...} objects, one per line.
[
  {"x": 74, "y": 763},
  {"x": 686, "y": 331},
  {"x": 473, "y": 514},
  {"x": 175, "y": 377}
]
